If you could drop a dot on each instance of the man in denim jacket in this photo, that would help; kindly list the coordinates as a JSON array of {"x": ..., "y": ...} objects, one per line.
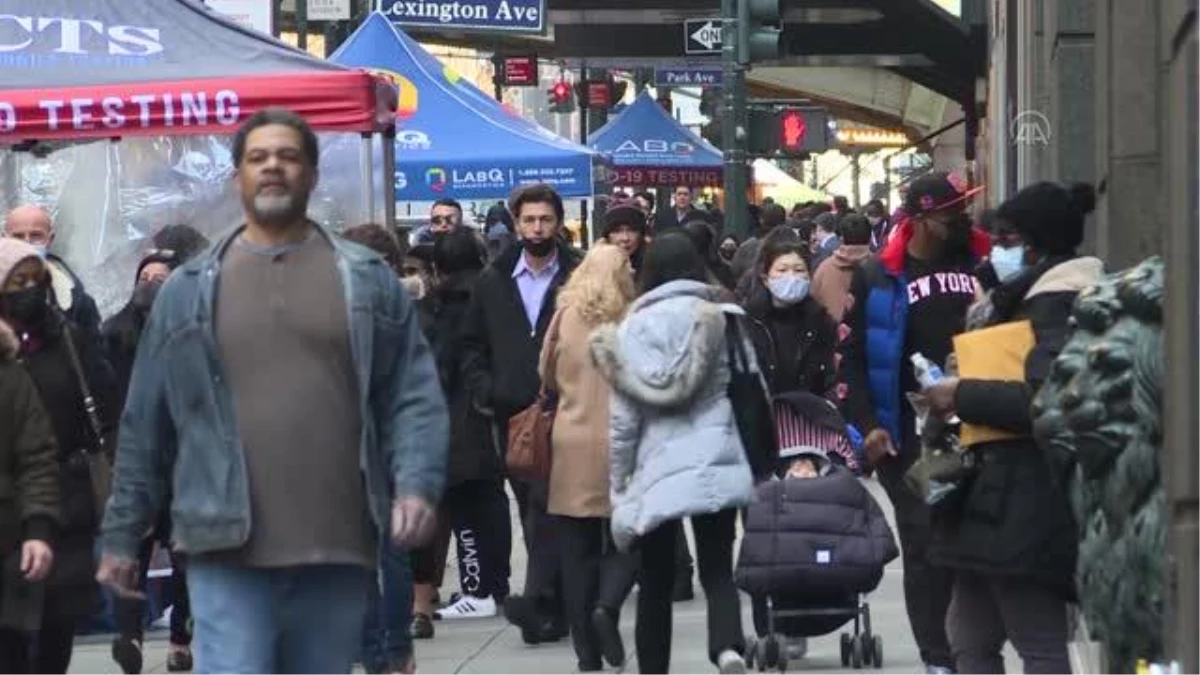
[{"x": 285, "y": 403}]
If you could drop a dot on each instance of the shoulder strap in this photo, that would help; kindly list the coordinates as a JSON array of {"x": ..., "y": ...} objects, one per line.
[
  {"x": 734, "y": 348},
  {"x": 89, "y": 402}
]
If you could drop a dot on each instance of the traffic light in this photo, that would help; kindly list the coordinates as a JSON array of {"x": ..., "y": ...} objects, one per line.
[
  {"x": 757, "y": 30},
  {"x": 561, "y": 100},
  {"x": 792, "y": 131}
]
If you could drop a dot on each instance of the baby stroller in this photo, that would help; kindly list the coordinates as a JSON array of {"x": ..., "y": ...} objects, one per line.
[{"x": 815, "y": 540}]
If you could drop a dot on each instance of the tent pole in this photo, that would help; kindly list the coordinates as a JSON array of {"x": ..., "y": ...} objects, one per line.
[
  {"x": 368, "y": 180},
  {"x": 389, "y": 178}
]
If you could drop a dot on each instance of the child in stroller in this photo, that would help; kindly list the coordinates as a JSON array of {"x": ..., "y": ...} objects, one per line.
[{"x": 815, "y": 540}]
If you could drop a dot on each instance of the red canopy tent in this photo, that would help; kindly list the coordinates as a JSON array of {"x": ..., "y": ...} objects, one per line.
[
  {"x": 170, "y": 80},
  {"x": 108, "y": 68}
]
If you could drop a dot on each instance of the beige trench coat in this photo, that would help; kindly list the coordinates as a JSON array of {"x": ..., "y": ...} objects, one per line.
[{"x": 579, "y": 472}]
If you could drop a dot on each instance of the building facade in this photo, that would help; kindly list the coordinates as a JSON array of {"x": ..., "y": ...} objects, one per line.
[{"x": 1097, "y": 91}]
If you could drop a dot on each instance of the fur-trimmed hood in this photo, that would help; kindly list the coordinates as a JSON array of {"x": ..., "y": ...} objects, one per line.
[
  {"x": 9, "y": 345},
  {"x": 9, "y": 342},
  {"x": 668, "y": 346},
  {"x": 1071, "y": 276}
]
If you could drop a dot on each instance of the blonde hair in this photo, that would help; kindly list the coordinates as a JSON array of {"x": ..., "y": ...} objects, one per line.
[{"x": 601, "y": 288}]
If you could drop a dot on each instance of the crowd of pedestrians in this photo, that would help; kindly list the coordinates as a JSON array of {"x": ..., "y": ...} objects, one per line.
[{"x": 306, "y": 421}]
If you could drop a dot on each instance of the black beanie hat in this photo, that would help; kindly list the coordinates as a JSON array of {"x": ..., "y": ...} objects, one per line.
[
  {"x": 624, "y": 213},
  {"x": 1050, "y": 217},
  {"x": 167, "y": 257}
]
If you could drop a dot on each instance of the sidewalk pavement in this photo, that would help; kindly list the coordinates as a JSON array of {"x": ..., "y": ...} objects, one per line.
[{"x": 493, "y": 646}]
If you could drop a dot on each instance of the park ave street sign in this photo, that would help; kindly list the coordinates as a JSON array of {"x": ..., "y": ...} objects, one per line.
[
  {"x": 508, "y": 16},
  {"x": 702, "y": 36},
  {"x": 688, "y": 77}
]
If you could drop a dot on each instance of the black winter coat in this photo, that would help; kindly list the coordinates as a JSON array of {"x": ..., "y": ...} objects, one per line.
[
  {"x": 500, "y": 352},
  {"x": 121, "y": 334},
  {"x": 814, "y": 535},
  {"x": 1015, "y": 519},
  {"x": 473, "y": 455},
  {"x": 29, "y": 506},
  {"x": 806, "y": 350},
  {"x": 73, "y": 591}
]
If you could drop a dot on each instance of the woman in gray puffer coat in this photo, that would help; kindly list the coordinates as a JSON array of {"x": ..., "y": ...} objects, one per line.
[{"x": 674, "y": 447}]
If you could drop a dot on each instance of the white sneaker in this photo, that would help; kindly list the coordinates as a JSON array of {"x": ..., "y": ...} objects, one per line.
[
  {"x": 730, "y": 662},
  {"x": 467, "y": 607}
]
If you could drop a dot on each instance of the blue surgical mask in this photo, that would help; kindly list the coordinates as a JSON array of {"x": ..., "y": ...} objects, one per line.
[
  {"x": 1008, "y": 262},
  {"x": 789, "y": 289}
]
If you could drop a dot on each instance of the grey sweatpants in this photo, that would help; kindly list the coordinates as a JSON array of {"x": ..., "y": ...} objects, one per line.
[{"x": 987, "y": 611}]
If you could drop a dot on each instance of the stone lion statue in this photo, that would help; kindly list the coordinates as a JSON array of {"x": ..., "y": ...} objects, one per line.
[{"x": 1099, "y": 415}]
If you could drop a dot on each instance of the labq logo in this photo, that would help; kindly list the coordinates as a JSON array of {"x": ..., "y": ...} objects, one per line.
[
  {"x": 413, "y": 139},
  {"x": 436, "y": 179}
]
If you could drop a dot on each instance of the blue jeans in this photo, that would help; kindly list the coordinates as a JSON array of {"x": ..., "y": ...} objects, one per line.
[
  {"x": 385, "y": 639},
  {"x": 304, "y": 619}
]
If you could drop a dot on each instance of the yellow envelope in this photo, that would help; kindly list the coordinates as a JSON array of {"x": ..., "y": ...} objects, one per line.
[{"x": 995, "y": 353}]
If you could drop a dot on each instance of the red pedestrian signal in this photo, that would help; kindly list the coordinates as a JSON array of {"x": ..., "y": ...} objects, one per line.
[
  {"x": 561, "y": 100},
  {"x": 792, "y": 130}
]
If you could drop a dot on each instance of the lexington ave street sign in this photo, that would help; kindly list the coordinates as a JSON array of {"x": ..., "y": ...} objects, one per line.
[
  {"x": 702, "y": 36},
  {"x": 510, "y": 16}
]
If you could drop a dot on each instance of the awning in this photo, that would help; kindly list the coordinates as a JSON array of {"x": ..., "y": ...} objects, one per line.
[{"x": 110, "y": 68}]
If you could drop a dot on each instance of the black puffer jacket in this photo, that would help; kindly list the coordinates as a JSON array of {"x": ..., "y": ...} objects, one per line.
[
  {"x": 814, "y": 534},
  {"x": 795, "y": 345},
  {"x": 473, "y": 455},
  {"x": 1014, "y": 519}
]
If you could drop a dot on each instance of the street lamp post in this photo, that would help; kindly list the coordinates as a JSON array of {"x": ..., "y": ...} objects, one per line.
[{"x": 733, "y": 100}]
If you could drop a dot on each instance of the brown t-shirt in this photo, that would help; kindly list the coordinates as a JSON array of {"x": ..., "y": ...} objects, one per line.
[{"x": 284, "y": 337}]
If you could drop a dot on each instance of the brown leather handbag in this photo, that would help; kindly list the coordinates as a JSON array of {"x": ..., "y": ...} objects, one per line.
[{"x": 529, "y": 431}]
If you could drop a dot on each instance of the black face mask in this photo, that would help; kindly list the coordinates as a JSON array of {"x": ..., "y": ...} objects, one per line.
[
  {"x": 28, "y": 307},
  {"x": 144, "y": 295},
  {"x": 538, "y": 249},
  {"x": 958, "y": 234}
]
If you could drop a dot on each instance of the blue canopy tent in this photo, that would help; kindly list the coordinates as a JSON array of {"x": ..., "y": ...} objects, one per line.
[
  {"x": 453, "y": 140},
  {"x": 649, "y": 148}
]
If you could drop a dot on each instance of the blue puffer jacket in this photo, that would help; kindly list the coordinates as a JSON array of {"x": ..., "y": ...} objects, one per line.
[
  {"x": 872, "y": 349},
  {"x": 873, "y": 331}
]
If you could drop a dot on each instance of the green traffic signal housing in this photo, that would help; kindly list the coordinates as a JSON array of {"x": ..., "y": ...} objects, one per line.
[{"x": 758, "y": 34}]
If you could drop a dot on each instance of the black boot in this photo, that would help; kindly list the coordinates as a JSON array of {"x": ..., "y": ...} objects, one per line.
[{"x": 608, "y": 635}]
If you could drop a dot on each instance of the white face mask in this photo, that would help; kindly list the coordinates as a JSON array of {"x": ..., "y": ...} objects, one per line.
[
  {"x": 42, "y": 250},
  {"x": 1008, "y": 262},
  {"x": 788, "y": 289}
]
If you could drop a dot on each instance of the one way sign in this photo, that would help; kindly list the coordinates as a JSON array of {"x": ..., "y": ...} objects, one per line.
[{"x": 702, "y": 36}]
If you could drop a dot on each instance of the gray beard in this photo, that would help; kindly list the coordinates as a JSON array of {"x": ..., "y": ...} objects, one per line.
[{"x": 277, "y": 209}]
